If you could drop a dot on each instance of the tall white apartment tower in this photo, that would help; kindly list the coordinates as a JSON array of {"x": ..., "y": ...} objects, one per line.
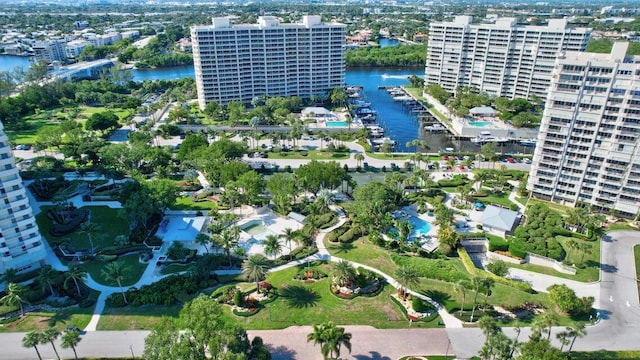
[
  {"x": 240, "y": 62},
  {"x": 589, "y": 148},
  {"x": 501, "y": 59},
  {"x": 21, "y": 245}
]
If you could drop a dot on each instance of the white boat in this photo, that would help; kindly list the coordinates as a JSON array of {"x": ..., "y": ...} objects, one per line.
[
  {"x": 529, "y": 142},
  {"x": 435, "y": 127},
  {"x": 486, "y": 137}
]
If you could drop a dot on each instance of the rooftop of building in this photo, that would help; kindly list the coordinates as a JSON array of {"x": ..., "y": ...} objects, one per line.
[
  {"x": 266, "y": 22},
  {"x": 617, "y": 54},
  {"x": 509, "y": 22}
]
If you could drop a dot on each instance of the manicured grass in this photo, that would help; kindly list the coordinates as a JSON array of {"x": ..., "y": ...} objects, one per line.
[
  {"x": 87, "y": 111},
  {"x": 621, "y": 226},
  {"x": 310, "y": 155},
  {"x": 135, "y": 317},
  {"x": 522, "y": 200},
  {"x": 133, "y": 270},
  {"x": 187, "y": 203},
  {"x": 497, "y": 199},
  {"x": 39, "y": 320},
  {"x": 175, "y": 268},
  {"x": 364, "y": 252},
  {"x": 389, "y": 156},
  {"x": 314, "y": 303},
  {"x": 591, "y": 261},
  {"x": 605, "y": 354},
  {"x": 111, "y": 225},
  {"x": 553, "y": 206},
  {"x": 28, "y": 136},
  {"x": 636, "y": 256},
  {"x": 428, "y": 357}
]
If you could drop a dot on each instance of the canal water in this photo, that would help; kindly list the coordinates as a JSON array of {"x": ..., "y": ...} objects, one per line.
[{"x": 400, "y": 125}]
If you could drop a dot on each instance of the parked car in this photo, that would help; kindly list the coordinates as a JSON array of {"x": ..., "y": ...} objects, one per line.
[
  {"x": 511, "y": 160},
  {"x": 527, "y": 161}
]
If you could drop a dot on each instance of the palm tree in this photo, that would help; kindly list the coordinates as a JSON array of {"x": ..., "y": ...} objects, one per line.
[
  {"x": 476, "y": 281},
  {"x": 32, "y": 339},
  {"x": 330, "y": 338},
  {"x": 13, "y": 297},
  {"x": 576, "y": 330},
  {"x": 255, "y": 268},
  {"x": 289, "y": 235},
  {"x": 343, "y": 272},
  {"x": 406, "y": 276},
  {"x": 359, "y": 158},
  {"x": 115, "y": 272},
  {"x": 203, "y": 240},
  {"x": 70, "y": 339},
  {"x": 75, "y": 273},
  {"x": 228, "y": 240},
  {"x": 272, "y": 246},
  {"x": 546, "y": 321},
  {"x": 90, "y": 229},
  {"x": 461, "y": 286},
  {"x": 325, "y": 199},
  {"x": 488, "y": 326},
  {"x": 563, "y": 337},
  {"x": 9, "y": 275},
  {"x": 48, "y": 336},
  {"x": 336, "y": 337},
  {"x": 318, "y": 336},
  {"x": 45, "y": 277},
  {"x": 487, "y": 284}
]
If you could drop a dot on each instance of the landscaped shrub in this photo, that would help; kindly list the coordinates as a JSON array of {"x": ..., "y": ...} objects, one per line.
[
  {"x": 455, "y": 181},
  {"x": 107, "y": 258},
  {"x": 310, "y": 274},
  {"x": 430, "y": 318},
  {"x": 117, "y": 250},
  {"x": 473, "y": 270},
  {"x": 72, "y": 221},
  {"x": 163, "y": 292},
  {"x": 238, "y": 298},
  {"x": 498, "y": 245},
  {"x": 420, "y": 305},
  {"x": 327, "y": 220},
  {"x": 538, "y": 234}
]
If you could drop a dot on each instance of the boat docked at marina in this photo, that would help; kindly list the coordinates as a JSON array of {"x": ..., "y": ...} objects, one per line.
[{"x": 486, "y": 137}]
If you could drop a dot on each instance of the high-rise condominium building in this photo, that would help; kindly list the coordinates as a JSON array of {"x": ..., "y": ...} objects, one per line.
[
  {"x": 501, "y": 59},
  {"x": 589, "y": 149},
  {"x": 21, "y": 245},
  {"x": 240, "y": 62}
]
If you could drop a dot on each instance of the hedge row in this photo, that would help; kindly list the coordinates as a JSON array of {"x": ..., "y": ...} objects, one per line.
[
  {"x": 353, "y": 296},
  {"x": 116, "y": 250},
  {"x": 472, "y": 269}
]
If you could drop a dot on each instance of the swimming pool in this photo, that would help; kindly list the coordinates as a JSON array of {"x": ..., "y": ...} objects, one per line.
[
  {"x": 254, "y": 227},
  {"x": 337, "y": 124},
  {"x": 480, "y": 123},
  {"x": 419, "y": 227}
]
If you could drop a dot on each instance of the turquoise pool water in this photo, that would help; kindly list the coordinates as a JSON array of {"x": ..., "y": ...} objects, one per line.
[
  {"x": 479, "y": 123},
  {"x": 337, "y": 124},
  {"x": 419, "y": 227}
]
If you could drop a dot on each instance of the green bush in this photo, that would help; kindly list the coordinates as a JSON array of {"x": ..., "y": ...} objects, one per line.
[
  {"x": 107, "y": 258},
  {"x": 348, "y": 236},
  {"x": 473, "y": 270},
  {"x": 498, "y": 245},
  {"x": 238, "y": 298},
  {"x": 433, "y": 316}
]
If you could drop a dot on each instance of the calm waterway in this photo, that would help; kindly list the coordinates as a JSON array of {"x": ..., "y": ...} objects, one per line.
[{"x": 399, "y": 124}]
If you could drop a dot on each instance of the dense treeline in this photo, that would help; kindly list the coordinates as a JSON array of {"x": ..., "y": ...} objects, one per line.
[
  {"x": 402, "y": 55},
  {"x": 158, "y": 52}
]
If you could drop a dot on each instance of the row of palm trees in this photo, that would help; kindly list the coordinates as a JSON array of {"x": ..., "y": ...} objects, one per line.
[
  {"x": 70, "y": 339},
  {"x": 477, "y": 283}
]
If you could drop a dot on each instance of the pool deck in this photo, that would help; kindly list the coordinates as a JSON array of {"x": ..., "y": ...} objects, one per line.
[{"x": 273, "y": 223}]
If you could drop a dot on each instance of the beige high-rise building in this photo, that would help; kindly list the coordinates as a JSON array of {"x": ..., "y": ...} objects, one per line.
[
  {"x": 21, "y": 246},
  {"x": 241, "y": 62},
  {"x": 589, "y": 144},
  {"x": 501, "y": 59}
]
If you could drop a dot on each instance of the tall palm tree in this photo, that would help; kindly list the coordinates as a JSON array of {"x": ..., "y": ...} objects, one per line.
[
  {"x": 70, "y": 339},
  {"x": 319, "y": 337},
  {"x": 563, "y": 337},
  {"x": 546, "y": 322},
  {"x": 46, "y": 277},
  {"x": 576, "y": 330},
  {"x": 343, "y": 272},
  {"x": 406, "y": 276},
  {"x": 488, "y": 326},
  {"x": 461, "y": 286},
  {"x": 48, "y": 336},
  {"x": 476, "y": 281},
  {"x": 228, "y": 240},
  {"x": 75, "y": 274},
  {"x": 272, "y": 246},
  {"x": 9, "y": 275},
  {"x": 13, "y": 296},
  {"x": 325, "y": 199},
  {"x": 203, "y": 240},
  {"x": 255, "y": 268},
  {"x": 90, "y": 229},
  {"x": 32, "y": 339},
  {"x": 487, "y": 284},
  {"x": 289, "y": 235},
  {"x": 115, "y": 272},
  {"x": 359, "y": 158},
  {"x": 336, "y": 338}
]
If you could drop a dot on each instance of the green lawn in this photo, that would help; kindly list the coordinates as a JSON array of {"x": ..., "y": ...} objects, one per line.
[
  {"x": 133, "y": 270},
  {"x": 605, "y": 355},
  {"x": 636, "y": 256},
  {"x": 591, "y": 261},
  {"x": 187, "y": 203},
  {"x": 496, "y": 199},
  {"x": 135, "y": 317},
  {"x": 364, "y": 252},
  {"x": 28, "y": 136},
  {"x": 310, "y": 155},
  {"x": 313, "y": 303},
  {"x": 389, "y": 156},
  {"x": 175, "y": 268},
  {"x": 551, "y": 205},
  {"x": 39, "y": 320},
  {"x": 111, "y": 225}
]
